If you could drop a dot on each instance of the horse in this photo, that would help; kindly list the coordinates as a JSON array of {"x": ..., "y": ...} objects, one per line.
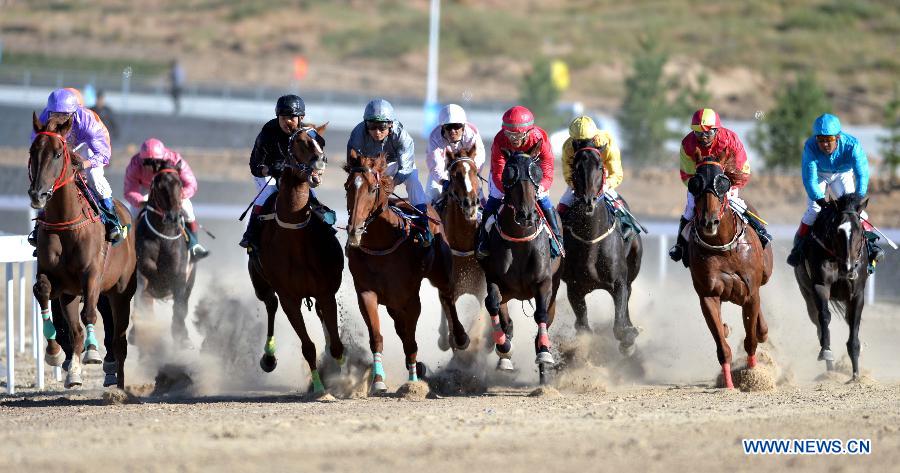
[
  {"x": 520, "y": 266},
  {"x": 834, "y": 271},
  {"x": 300, "y": 257},
  {"x": 74, "y": 259},
  {"x": 594, "y": 260},
  {"x": 727, "y": 262},
  {"x": 388, "y": 266},
  {"x": 459, "y": 218},
  {"x": 165, "y": 268}
]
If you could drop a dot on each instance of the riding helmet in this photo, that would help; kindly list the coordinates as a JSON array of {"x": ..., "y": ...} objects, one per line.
[
  {"x": 827, "y": 124},
  {"x": 518, "y": 119},
  {"x": 452, "y": 113},
  {"x": 379, "y": 110},
  {"x": 153, "y": 149},
  {"x": 583, "y": 128},
  {"x": 705, "y": 119},
  {"x": 290, "y": 106},
  {"x": 62, "y": 101}
]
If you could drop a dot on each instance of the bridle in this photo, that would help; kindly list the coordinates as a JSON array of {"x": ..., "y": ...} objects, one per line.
[
  {"x": 719, "y": 187},
  {"x": 292, "y": 162},
  {"x": 374, "y": 213},
  {"x": 831, "y": 234},
  {"x": 598, "y": 158},
  {"x": 450, "y": 165},
  {"x": 61, "y": 179}
]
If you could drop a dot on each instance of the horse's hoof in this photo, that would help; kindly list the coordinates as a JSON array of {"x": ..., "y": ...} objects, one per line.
[
  {"x": 464, "y": 345},
  {"x": 826, "y": 355},
  {"x": 110, "y": 380},
  {"x": 110, "y": 367},
  {"x": 378, "y": 387},
  {"x": 544, "y": 358},
  {"x": 268, "y": 363},
  {"x": 421, "y": 370},
  {"x": 73, "y": 379},
  {"x": 627, "y": 350},
  {"x": 92, "y": 357},
  {"x": 829, "y": 365},
  {"x": 505, "y": 364},
  {"x": 55, "y": 359},
  {"x": 443, "y": 343}
]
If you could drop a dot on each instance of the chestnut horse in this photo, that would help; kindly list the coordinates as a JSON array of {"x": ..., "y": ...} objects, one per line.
[
  {"x": 520, "y": 266},
  {"x": 388, "y": 266},
  {"x": 459, "y": 217},
  {"x": 299, "y": 257},
  {"x": 598, "y": 257},
  {"x": 74, "y": 259},
  {"x": 164, "y": 264},
  {"x": 727, "y": 260},
  {"x": 834, "y": 273}
]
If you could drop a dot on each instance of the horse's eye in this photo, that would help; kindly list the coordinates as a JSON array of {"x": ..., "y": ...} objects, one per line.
[{"x": 57, "y": 156}]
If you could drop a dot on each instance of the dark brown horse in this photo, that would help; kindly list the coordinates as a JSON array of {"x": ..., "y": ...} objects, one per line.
[
  {"x": 597, "y": 255},
  {"x": 164, "y": 264},
  {"x": 727, "y": 260},
  {"x": 459, "y": 218},
  {"x": 74, "y": 259},
  {"x": 520, "y": 266},
  {"x": 833, "y": 274},
  {"x": 299, "y": 257},
  {"x": 388, "y": 266}
]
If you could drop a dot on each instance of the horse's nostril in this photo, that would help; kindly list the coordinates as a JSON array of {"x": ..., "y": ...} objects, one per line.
[{"x": 716, "y": 222}]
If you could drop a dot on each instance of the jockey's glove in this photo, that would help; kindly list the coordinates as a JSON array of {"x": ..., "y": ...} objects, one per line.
[{"x": 821, "y": 202}]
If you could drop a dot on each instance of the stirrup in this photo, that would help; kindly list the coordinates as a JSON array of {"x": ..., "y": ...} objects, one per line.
[
  {"x": 32, "y": 238},
  {"x": 198, "y": 251},
  {"x": 676, "y": 252}
]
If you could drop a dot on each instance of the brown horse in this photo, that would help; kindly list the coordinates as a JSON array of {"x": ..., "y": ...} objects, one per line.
[
  {"x": 727, "y": 261},
  {"x": 388, "y": 266},
  {"x": 459, "y": 217},
  {"x": 299, "y": 257},
  {"x": 164, "y": 264},
  {"x": 74, "y": 259}
]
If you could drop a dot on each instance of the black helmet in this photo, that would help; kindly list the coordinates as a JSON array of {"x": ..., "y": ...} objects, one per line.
[{"x": 290, "y": 105}]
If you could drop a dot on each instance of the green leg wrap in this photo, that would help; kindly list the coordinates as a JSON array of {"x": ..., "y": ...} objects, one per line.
[
  {"x": 49, "y": 328},
  {"x": 413, "y": 376},
  {"x": 318, "y": 387},
  {"x": 270, "y": 346},
  {"x": 90, "y": 339}
]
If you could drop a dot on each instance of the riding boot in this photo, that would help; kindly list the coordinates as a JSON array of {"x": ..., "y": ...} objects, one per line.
[
  {"x": 556, "y": 243},
  {"x": 764, "y": 236},
  {"x": 677, "y": 251},
  {"x": 114, "y": 231},
  {"x": 251, "y": 235},
  {"x": 876, "y": 254},
  {"x": 481, "y": 240},
  {"x": 800, "y": 238},
  {"x": 421, "y": 220},
  {"x": 321, "y": 211},
  {"x": 194, "y": 246}
]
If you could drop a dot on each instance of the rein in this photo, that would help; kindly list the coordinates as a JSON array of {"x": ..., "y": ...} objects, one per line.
[
  {"x": 375, "y": 213},
  {"x": 86, "y": 217},
  {"x": 153, "y": 229},
  {"x": 726, "y": 247}
]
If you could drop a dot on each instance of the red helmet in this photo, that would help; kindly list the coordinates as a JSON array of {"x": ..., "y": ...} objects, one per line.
[
  {"x": 518, "y": 119},
  {"x": 153, "y": 149},
  {"x": 705, "y": 119}
]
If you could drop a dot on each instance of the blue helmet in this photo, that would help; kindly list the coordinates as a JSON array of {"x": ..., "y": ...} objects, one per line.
[
  {"x": 379, "y": 110},
  {"x": 826, "y": 124}
]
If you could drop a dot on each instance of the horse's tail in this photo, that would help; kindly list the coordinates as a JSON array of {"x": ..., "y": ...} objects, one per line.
[{"x": 839, "y": 306}]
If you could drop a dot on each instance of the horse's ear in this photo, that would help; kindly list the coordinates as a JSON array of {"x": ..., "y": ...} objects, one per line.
[
  {"x": 448, "y": 153},
  {"x": 472, "y": 151},
  {"x": 353, "y": 157},
  {"x": 380, "y": 162},
  {"x": 535, "y": 150},
  {"x": 321, "y": 128},
  {"x": 36, "y": 122},
  {"x": 65, "y": 127},
  {"x": 863, "y": 204},
  {"x": 505, "y": 152}
]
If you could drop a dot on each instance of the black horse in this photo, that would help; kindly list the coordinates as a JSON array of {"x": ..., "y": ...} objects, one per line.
[
  {"x": 600, "y": 252},
  {"x": 833, "y": 273},
  {"x": 520, "y": 266}
]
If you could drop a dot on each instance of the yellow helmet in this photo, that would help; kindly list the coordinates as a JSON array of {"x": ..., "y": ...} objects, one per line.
[{"x": 582, "y": 128}]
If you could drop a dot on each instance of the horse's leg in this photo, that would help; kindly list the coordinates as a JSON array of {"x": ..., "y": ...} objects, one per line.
[
  {"x": 368, "y": 306},
  {"x": 502, "y": 345},
  {"x": 623, "y": 329},
  {"x": 121, "y": 310},
  {"x": 442, "y": 278},
  {"x": 181, "y": 295},
  {"x": 293, "y": 309},
  {"x": 854, "y": 317},
  {"x": 822, "y": 295},
  {"x": 69, "y": 305},
  {"x": 54, "y": 355},
  {"x": 750, "y": 316},
  {"x": 266, "y": 294},
  {"x": 579, "y": 306},
  {"x": 711, "y": 307},
  {"x": 109, "y": 340},
  {"x": 326, "y": 309},
  {"x": 405, "y": 321},
  {"x": 443, "y": 331},
  {"x": 542, "y": 343},
  {"x": 459, "y": 340},
  {"x": 90, "y": 295}
]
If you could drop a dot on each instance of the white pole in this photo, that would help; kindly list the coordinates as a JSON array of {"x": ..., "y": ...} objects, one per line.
[
  {"x": 38, "y": 346},
  {"x": 22, "y": 307},
  {"x": 870, "y": 289},
  {"x": 663, "y": 243},
  {"x": 433, "y": 40},
  {"x": 10, "y": 333}
]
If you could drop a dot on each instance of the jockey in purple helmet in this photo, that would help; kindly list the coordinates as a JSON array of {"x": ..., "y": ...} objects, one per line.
[{"x": 89, "y": 131}]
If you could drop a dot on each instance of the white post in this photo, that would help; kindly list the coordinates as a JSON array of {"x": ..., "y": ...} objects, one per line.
[
  {"x": 870, "y": 289},
  {"x": 10, "y": 333},
  {"x": 433, "y": 39},
  {"x": 663, "y": 243},
  {"x": 22, "y": 307}
]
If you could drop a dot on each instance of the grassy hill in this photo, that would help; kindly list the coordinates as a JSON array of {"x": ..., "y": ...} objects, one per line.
[{"x": 379, "y": 47}]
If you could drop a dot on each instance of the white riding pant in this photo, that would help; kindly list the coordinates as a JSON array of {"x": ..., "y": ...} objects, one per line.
[
  {"x": 834, "y": 185},
  {"x": 736, "y": 203},
  {"x": 270, "y": 188},
  {"x": 498, "y": 194},
  {"x": 414, "y": 190},
  {"x": 568, "y": 197},
  {"x": 98, "y": 182},
  {"x": 187, "y": 209}
]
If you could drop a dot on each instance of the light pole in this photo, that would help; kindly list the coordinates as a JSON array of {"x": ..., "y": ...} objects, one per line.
[{"x": 431, "y": 98}]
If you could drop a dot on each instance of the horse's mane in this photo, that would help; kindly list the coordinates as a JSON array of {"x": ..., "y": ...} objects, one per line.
[
  {"x": 368, "y": 162},
  {"x": 737, "y": 176}
]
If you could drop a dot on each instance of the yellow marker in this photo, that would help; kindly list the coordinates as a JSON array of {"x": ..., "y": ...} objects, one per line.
[
  {"x": 757, "y": 217},
  {"x": 559, "y": 72}
]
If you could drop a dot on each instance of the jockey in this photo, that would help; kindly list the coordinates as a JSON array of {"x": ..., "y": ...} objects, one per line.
[
  {"x": 380, "y": 132},
  {"x": 456, "y": 133},
  {"x": 519, "y": 133},
  {"x": 709, "y": 138},
  {"x": 267, "y": 160},
  {"x": 834, "y": 163},
  {"x": 138, "y": 178},
  {"x": 583, "y": 133},
  {"x": 88, "y": 130}
]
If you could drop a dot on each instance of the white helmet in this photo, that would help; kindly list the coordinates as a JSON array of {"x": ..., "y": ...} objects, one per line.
[{"x": 452, "y": 114}]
